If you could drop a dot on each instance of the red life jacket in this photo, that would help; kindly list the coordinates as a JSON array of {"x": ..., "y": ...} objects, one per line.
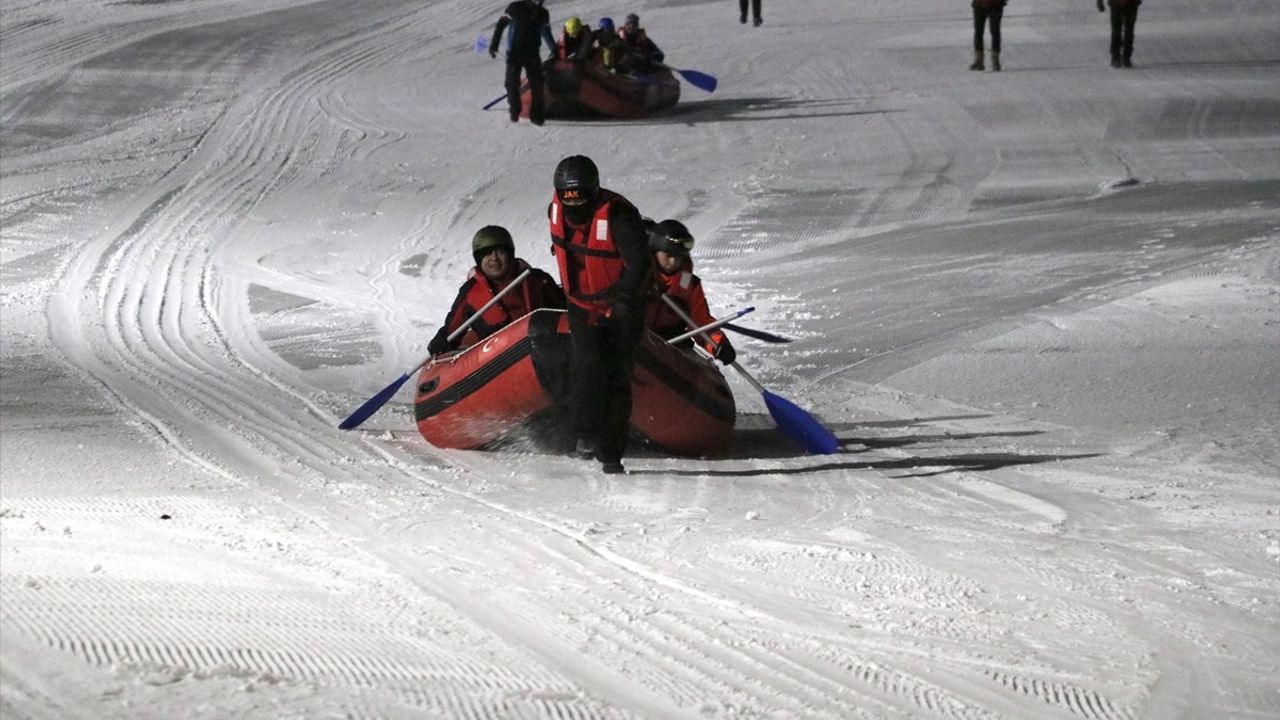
[
  {"x": 589, "y": 261},
  {"x": 685, "y": 289},
  {"x": 513, "y": 306}
]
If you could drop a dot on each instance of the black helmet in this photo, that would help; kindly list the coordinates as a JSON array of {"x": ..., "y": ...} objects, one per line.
[
  {"x": 489, "y": 238},
  {"x": 577, "y": 180},
  {"x": 671, "y": 237}
]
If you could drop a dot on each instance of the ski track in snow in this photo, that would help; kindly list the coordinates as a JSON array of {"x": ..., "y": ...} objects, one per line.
[{"x": 940, "y": 566}]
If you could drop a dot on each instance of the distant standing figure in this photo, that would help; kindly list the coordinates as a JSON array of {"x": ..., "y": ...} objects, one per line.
[
  {"x": 984, "y": 12},
  {"x": 530, "y": 23},
  {"x": 755, "y": 12},
  {"x": 1124, "y": 15}
]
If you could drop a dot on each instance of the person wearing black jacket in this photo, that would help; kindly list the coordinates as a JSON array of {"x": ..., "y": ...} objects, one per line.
[
  {"x": 1124, "y": 15},
  {"x": 529, "y": 24},
  {"x": 602, "y": 250}
]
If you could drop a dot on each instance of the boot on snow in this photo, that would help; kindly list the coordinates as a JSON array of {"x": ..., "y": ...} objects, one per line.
[{"x": 977, "y": 61}]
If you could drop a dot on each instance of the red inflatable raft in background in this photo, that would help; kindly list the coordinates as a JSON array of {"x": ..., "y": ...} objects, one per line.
[
  {"x": 519, "y": 375},
  {"x": 587, "y": 89}
]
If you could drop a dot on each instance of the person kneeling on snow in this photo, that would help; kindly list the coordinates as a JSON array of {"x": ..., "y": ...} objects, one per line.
[
  {"x": 496, "y": 266},
  {"x": 670, "y": 241}
]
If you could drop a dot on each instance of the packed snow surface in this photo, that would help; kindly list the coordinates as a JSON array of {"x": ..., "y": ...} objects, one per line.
[{"x": 1039, "y": 308}]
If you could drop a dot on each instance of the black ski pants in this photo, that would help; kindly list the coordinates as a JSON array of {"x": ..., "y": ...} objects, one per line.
[
  {"x": 600, "y": 365},
  {"x": 755, "y": 9},
  {"x": 532, "y": 69},
  {"x": 1122, "y": 21},
  {"x": 981, "y": 17}
]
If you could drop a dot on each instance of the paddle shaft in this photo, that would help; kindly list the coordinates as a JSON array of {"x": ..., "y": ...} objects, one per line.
[
  {"x": 483, "y": 309},
  {"x": 713, "y": 325},
  {"x": 675, "y": 307},
  {"x": 791, "y": 419}
]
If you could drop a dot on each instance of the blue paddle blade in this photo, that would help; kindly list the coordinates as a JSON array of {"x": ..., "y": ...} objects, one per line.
[
  {"x": 699, "y": 80},
  {"x": 800, "y": 426},
  {"x": 371, "y": 405},
  {"x": 482, "y": 43}
]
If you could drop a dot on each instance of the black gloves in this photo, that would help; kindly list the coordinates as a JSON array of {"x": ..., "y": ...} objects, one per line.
[
  {"x": 493, "y": 52},
  {"x": 1101, "y": 7},
  {"x": 623, "y": 315},
  {"x": 439, "y": 344},
  {"x": 725, "y": 353}
]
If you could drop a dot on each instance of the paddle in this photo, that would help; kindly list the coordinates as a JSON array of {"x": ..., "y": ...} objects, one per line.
[
  {"x": 373, "y": 404},
  {"x": 757, "y": 334},
  {"x": 700, "y": 80},
  {"x": 495, "y": 101},
  {"x": 799, "y": 425},
  {"x": 713, "y": 325}
]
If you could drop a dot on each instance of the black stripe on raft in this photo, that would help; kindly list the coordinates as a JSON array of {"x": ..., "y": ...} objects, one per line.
[{"x": 482, "y": 376}]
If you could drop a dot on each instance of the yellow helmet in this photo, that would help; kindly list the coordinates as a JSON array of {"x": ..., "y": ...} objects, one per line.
[{"x": 572, "y": 26}]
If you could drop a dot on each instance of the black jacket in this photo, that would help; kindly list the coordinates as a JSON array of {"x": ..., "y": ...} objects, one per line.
[
  {"x": 530, "y": 24},
  {"x": 632, "y": 240}
]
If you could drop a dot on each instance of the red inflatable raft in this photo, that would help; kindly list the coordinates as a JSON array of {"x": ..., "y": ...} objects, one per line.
[
  {"x": 518, "y": 375},
  {"x": 587, "y": 89}
]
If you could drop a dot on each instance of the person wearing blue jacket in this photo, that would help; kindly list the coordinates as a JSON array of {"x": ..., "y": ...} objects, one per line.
[{"x": 529, "y": 24}]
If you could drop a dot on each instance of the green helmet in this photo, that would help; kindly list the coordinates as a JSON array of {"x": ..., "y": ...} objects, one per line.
[{"x": 489, "y": 238}]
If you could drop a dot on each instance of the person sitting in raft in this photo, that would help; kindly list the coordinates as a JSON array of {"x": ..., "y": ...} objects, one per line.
[
  {"x": 670, "y": 241},
  {"x": 575, "y": 42},
  {"x": 639, "y": 54},
  {"x": 605, "y": 42},
  {"x": 496, "y": 266}
]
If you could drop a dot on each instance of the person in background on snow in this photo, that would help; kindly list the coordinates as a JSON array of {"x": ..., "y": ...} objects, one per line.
[
  {"x": 496, "y": 266},
  {"x": 602, "y": 251},
  {"x": 604, "y": 39},
  {"x": 639, "y": 53},
  {"x": 530, "y": 23},
  {"x": 1124, "y": 15},
  {"x": 755, "y": 12},
  {"x": 670, "y": 242},
  {"x": 575, "y": 41},
  {"x": 984, "y": 12}
]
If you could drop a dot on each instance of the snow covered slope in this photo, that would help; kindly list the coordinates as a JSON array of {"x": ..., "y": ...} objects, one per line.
[{"x": 1039, "y": 308}]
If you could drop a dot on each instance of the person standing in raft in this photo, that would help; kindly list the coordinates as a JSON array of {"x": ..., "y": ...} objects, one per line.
[
  {"x": 530, "y": 23},
  {"x": 496, "y": 266},
  {"x": 602, "y": 251}
]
